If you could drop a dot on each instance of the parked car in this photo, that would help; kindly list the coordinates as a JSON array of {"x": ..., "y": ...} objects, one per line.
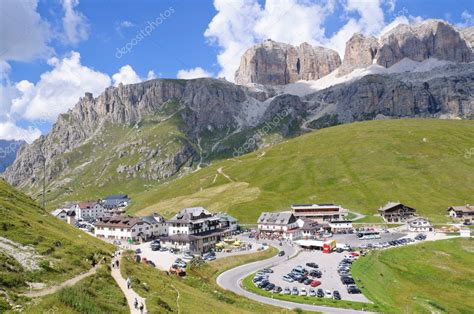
[
  {"x": 315, "y": 283},
  {"x": 138, "y": 251},
  {"x": 262, "y": 284},
  {"x": 352, "y": 289},
  {"x": 316, "y": 273},
  {"x": 277, "y": 289},
  {"x": 294, "y": 291},
  {"x": 269, "y": 287},
  {"x": 308, "y": 281},
  {"x": 312, "y": 265},
  {"x": 287, "y": 291},
  {"x": 267, "y": 270},
  {"x": 281, "y": 253},
  {"x": 303, "y": 291},
  {"x": 312, "y": 292},
  {"x": 320, "y": 293},
  {"x": 287, "y": 278},
  {"x": 339, "y": 250},
  {"x": 163, "y": 249},
  {"x": 336, "y": 295},
  {"x": 328, "y": 294},
  {"x": 151, "y": 263}
]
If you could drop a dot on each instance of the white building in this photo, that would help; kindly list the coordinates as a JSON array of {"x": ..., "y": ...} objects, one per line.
[
  {"x": 226, "y": 221},
  {"x": 89, "y": 210},
  {"x": 158, "y": 225},
  {"x": 60, "y": 213},
  {"x": 319, "y": 212},
  {"x": 122, "y": 228},
  {"x": 340, "y": 226},
  {"x": 280, "y": 224},
  {"x": 419, "y": 224}
]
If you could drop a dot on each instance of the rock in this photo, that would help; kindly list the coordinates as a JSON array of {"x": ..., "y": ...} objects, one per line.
[
  {"x": 468, "y": 34},
  {"x": 274, "y": 63},
  {"x": 360, "y": 53}
]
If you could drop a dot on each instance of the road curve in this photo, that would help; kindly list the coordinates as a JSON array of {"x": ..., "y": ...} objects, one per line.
[{"x": 231, "y": 280}]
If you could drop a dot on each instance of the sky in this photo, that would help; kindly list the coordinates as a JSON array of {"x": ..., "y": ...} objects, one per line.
[{"x": 53, "y": 51}]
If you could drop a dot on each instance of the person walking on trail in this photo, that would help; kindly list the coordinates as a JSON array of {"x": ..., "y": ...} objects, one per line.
[
  {"x": 128, "y": 283},
  {"x": 141, "y": 307},
  {"x": 135, "y": 304}
]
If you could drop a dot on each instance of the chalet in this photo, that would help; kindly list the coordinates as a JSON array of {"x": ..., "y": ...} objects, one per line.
[
  {"x": 308, "y": 229},
  {"x": 419, "y": 224},
  {"x": 193, "y": 229},
  {"x": 158, "y": 225},
  {"x": 226, "y": 221},
  {"x": 396, "y": 212},
  {"x": 122, "y": 228},
  {"x": 281, "y": 224},
  {"x": 60, "y": 213},
  {"x": 319, "y": 212},
  {"x": 464, "y": 213},
  {"x": 85, "y": 210}
]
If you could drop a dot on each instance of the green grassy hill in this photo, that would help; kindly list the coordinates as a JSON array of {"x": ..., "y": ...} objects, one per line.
[
  {"x": 59, "y": 250},
  {"x": 361, "y": 166},
  {"x": 431, "y": 277}
]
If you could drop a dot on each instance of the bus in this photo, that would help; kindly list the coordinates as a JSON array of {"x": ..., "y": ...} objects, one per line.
[{"x": 368, "y": 235}]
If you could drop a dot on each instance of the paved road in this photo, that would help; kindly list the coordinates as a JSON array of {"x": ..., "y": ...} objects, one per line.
[{"x": 231, "y": 279}]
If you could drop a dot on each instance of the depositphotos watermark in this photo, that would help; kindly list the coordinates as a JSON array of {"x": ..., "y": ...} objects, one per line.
[
  {"x": 252, "y": 142},
  {"x": 469, "y": 153},
  {"x": 144, "y": 32}
]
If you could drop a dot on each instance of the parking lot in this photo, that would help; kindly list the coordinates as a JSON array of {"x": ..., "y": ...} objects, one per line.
[
  {"x": 164, "y": 260},
  {"x": 327, "y": 263},
  {"x": 353, "y": 241}
]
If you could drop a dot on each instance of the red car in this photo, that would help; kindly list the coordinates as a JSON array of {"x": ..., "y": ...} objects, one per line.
[
  {"x": 354, "y": 253},
  {"x": 315, "y": 283}
]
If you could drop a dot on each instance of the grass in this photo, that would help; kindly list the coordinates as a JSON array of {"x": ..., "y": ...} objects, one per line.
[
  {"x": 360, "y": 166},
  {"x": 248, "y": 285},
  {"x": 96, "y": 294},
  {"x": 198, "y": 291},
  {"x": 423, "y": 278},
  {"x": 63, "y": 250}
]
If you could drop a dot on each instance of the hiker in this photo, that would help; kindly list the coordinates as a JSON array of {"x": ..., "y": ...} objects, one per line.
[
  {"x": 141, "y": 307},
  {"x": 135, "y": 304},
  {"x": 128, "y": 283},
  {"x": 117, "y": 263}
]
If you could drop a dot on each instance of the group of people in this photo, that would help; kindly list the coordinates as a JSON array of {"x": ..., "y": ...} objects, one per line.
[
  {"x": 115, "y": 260},
  {"x": 141, "y": 307}
]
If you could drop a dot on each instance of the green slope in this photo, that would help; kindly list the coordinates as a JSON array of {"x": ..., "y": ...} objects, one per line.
[
  {"x": 62, "y": 251},
  {"x": 431, "y": 277},
  {"x": 361, "y": 166}
]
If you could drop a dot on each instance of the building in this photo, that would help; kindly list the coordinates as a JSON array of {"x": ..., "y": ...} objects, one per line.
[
  {"x": 319, "y": 212},
  {"x": 419, "y": 224},
  {"x": 195, "y": 230},
  {"x": 85, "y": 210},
  {"x": 396, "y": 212},
  {"x": 60, "y": 213},
  {"x": 116, "y": 201},
  {"x": 463, "y": 213},
  {"x": 122, "y": 228},
  {"x": 340, "y": 226},
  {"x": 465, "y": 233},
  {"x": 226, "y": 221},
  {"x": 279, "y": 224},
  {"x": 158, "y": 225},
  {"x": 71, "y": 217},
  {"x": 308, "y": 229}
]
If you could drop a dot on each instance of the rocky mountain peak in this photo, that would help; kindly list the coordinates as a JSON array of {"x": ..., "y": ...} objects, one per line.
[{"x": 274, "y": 63}]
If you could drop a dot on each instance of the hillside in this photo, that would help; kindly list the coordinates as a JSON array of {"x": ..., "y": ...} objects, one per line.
[
  {"x": 361, "y": 166},
  {"x": 37, "y": 248},
  {"x": 438, "y": 277}
]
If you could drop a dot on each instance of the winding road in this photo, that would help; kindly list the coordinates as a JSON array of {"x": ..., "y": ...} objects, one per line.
[{"x": 231, "y": 280}]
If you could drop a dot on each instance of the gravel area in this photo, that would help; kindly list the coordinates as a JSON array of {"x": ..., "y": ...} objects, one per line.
[{"x": 327, "y": 264}]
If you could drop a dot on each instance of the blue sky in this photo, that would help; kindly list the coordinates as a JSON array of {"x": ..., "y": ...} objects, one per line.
[{"x": 58, "y": 49}]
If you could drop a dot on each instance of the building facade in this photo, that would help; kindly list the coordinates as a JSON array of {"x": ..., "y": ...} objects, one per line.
[
  {"x": 340, "y": 226},
  {"x": 122, "y": 228},
  {"x": 319, "y": 212},
  {"x": 279, "y": 224},
  {"x": 419, "y": 224},
  {"x": 464, "y": 213},
  {"x": 226, "y": 221},
  {"x": 396, "y": 212},
  {"x": 85, "y": 210},
  {"x": 158, "y": 225}
]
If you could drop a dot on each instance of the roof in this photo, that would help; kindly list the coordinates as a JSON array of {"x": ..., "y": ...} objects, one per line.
[
  {"x": 314, "y": 205},
  {"x": 153, "y": 219},
  {"x": 191, "y": 214},
  {"x": 417, "y": 218},
  {"x": 119, "y": 222},
  {"x": 116, "y": 196},
  {"x": 279, "y": 218},
  {"x": 58, "y": 211},
  {"x": 391, "y": 205},
  {"x": 465, "y": 208},
  {"x": 85, "y": 205},
  {"x": 184, "y": 237},
  {"x": 114, "y": 202},
  {"x": 227, "y": 217}
]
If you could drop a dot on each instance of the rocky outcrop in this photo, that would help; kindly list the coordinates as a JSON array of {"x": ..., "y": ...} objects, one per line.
[
  {"x": 468, "y": 34},
  {"x": 418, "y": 42},
  {"x": 274, "y": 63}
]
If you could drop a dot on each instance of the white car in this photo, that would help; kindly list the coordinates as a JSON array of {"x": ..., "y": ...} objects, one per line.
[
  {"x": 303, "y": 291},
  {"x": 328, "y": 294},
  {"x": 287, "y": 278},
  {"x": 312, "y": 292}
]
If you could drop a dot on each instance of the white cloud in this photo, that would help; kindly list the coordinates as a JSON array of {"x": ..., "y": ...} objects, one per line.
[
  {"x": 24, "y": 34},
  {"x": 57, "y": 90},
  {"x": 193, "y": 73},
  {"x": 151, "y": 75},
  {"x": 126, "y": 24},
  {"x": 467, "y": 19},
  {"x": 75, "y": 25},
  {"x": 10, "y": 131},
  {"x": 126, "y": 75}
]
